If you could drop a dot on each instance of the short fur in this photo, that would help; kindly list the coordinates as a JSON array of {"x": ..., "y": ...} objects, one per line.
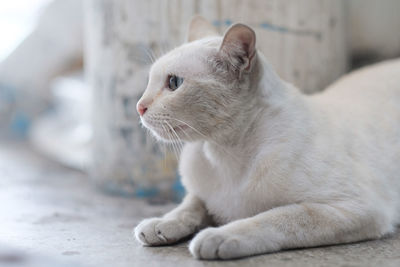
[{"x": 265, "y": 167}]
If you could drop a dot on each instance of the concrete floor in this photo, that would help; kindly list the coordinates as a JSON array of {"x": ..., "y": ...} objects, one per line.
[{"x": 54, "y": 217}]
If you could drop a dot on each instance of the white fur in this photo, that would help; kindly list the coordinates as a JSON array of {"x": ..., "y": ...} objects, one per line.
[{"x": 289, "y": 170}]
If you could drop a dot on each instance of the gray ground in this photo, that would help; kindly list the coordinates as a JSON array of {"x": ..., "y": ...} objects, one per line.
[{"x": 55, "y": 217}]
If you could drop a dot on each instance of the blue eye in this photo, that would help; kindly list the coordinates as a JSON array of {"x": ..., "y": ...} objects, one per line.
[{"x": 174, "y": 82}]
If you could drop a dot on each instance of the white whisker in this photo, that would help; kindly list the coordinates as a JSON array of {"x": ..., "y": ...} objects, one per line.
[
  {"x": 187, "y": 135},
  {"x": 207, "y": 138},
  {"x": 172, "y": 142},
  {"x": 150, "y": 54},
  {"x": 178, "y": 139}
]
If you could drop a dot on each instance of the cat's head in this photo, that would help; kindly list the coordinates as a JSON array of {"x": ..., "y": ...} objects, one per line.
[{"x": 202, "y": 89}]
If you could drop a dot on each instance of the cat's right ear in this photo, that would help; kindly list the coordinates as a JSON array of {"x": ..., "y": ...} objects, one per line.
[{"x": 200, "y": 28}]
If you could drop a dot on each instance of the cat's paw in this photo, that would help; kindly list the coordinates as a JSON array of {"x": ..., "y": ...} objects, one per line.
[
  {"x": 215, "y": 243},
  {"x": 158, "y": 231}
]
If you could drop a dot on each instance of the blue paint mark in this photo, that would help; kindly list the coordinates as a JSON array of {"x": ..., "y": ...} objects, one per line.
[
  {"x": 272, "y": 27},
  {"x": 216, "y": 23},
  {"x": 20, "y": 124},
  {"x": 228, "y": 22},
  {"x": 281, "y": 29},
  {"x": 116, "y": 188},
  {"x": 144, "y": 192},
  {"x": 178, "y": 188}
]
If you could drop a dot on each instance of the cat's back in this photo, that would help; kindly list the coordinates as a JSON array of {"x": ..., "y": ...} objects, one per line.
[
  {"x": 359, "y": 116},
  {"x": 366, "y": 101},
  {"x": 373, "y": 85}
]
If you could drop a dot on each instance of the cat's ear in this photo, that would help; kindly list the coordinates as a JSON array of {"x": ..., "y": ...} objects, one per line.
[
  {"x": 239, "y": 46},
  {"x": 200, "y": 28}
]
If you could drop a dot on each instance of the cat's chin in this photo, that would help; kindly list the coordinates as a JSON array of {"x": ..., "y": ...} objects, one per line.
[
  {"x": 168, "y": 134},
  {"x": 161, "y": 137},
  {"x": 166, "y": 137}
]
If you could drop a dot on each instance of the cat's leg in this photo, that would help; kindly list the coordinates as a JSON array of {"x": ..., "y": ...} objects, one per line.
[
  {"x": 189, "y": 217},
  {"x": 293, "y": 226}
]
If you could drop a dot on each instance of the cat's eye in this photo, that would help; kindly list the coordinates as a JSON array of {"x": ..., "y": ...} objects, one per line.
[{"x": 174, "y": 82}]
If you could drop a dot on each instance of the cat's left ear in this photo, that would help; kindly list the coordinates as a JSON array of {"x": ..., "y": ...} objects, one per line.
[
  {"x": 239, "y": 46},
  {"x": 200, "y": 28}
]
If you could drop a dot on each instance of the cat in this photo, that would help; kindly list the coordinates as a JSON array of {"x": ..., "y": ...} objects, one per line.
[{"x": 266, "y": 167}]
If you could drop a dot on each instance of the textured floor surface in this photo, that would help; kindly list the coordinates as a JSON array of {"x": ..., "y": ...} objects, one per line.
[{"x": 52, "y": 216}]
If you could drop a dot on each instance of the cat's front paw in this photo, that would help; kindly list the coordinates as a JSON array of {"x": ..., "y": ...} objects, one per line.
[
  {"x": 230, "y": 242},
  {"x": 158, "y": 231},
  {"x": 215, "y": 243}
]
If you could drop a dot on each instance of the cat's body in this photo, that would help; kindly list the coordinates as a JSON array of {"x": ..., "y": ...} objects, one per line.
[
  {"x": 276, "y": 169},
  {"x": 350, "y": 130}
]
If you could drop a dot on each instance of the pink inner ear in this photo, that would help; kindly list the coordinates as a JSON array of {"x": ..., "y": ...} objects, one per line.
[
  {"x": 246, "y": 40},
  {"x": 239, "y": 42}
]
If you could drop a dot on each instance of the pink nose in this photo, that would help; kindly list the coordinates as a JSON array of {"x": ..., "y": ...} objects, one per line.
[{"x": 141, "y": 109}]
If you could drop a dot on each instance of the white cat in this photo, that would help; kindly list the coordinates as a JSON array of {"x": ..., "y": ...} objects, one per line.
[{"x": 271, "y": 168}]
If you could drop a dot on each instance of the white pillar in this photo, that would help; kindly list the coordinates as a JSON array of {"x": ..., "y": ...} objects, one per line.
[{"x": 119, "y": 35}]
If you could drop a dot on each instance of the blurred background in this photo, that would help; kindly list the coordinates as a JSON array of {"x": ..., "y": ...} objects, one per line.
[{"x": 71, "y": 72}]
